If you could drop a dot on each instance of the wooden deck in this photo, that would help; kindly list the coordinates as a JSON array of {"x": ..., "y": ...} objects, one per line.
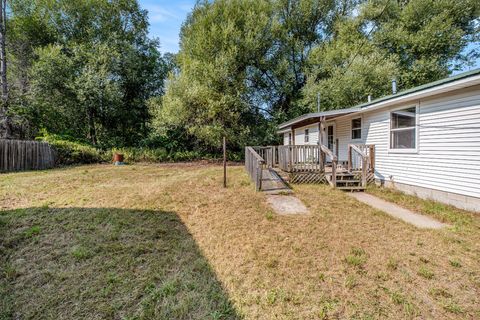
[{"x": 309, "y": 164}]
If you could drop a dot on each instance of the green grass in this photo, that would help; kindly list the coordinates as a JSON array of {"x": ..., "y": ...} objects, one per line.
[
  {"x": 356, "y": 258},
  {"x": 139, "y": 263},
  {"x": 425, "y": 272}
]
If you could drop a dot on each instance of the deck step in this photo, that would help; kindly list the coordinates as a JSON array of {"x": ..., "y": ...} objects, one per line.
[
  {"x": 348, "y": 181},
  {"x": 359, "y": 188}
]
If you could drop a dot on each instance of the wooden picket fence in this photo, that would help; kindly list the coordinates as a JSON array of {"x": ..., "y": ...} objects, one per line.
[{"x": 19, "y": 155}]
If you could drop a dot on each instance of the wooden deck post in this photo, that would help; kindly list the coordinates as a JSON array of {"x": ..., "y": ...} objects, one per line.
[
  {"x": 364, "y": 172},
  {"x": 334, "y": 173},
  {"x": 321, "y": 129},
  {"x": 372, "y": 157},
  {"x": 349, "y": 158}
]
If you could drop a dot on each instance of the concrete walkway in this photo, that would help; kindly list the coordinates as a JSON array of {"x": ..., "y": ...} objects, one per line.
[
  {"x": 286, "y": 205},
  {"x": 398, "y": 212}
]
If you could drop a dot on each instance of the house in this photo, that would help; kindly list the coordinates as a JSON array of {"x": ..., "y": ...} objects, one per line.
[{"x": 424, "y": 141}]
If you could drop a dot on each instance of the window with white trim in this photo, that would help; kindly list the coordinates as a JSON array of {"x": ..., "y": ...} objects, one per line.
[
  {"x": 403, "y": 128},
  {"x": 356, "y": 128},
  {"x": 307, "y": 137}
]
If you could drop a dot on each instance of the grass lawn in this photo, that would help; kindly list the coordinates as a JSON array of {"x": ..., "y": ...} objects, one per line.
[{"x": 168, "y": 242}]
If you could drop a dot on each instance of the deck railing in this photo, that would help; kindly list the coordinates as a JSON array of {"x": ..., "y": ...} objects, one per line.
[
  {"x": 269, "y": 155},
  {"x": 361, "y": 157},
  {"x": 300, "y": 158},
  {"x": 254, "y": 165}
]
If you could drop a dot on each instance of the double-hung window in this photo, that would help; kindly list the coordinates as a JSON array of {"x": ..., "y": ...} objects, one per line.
[
  {"x": 356, "y": 128},
  {"x": 403, "y": 129},
  {"x": 307, "y": 137}
]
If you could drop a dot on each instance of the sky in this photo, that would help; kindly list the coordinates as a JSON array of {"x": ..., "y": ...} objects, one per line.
[{"x": 166, "y": 18}]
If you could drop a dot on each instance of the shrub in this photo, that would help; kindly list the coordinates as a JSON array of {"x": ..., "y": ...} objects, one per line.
[{"x": 72, "y": 152}]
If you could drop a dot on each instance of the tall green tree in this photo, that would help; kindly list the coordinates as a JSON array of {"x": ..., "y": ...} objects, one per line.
[
  {"x": 111, "y": 68},
  {"x": 415, "y": 42},
  {"x": 209, "y": 97},
  {"x": 5, "y": 130},
  {"x": 426, "y": 37}
]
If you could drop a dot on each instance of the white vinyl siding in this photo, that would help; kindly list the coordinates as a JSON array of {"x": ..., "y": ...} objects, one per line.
[
  {"x": 312, "y": 135},
  {"x": 448, "y": 152},
  {"x": 448, "y": 155},
  {"x": 286, "y": 139}
]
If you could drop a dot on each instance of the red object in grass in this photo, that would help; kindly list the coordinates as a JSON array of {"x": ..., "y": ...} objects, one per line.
[{"x": 118, "y": 157}]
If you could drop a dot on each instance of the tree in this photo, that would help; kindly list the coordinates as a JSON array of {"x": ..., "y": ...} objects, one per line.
[
  {"x": 209, "y": 98},
  {"x": 5, "y": 130},
  {"x": 426, "y": 37},
  {"x": 416, "y": 42},
  {"x": 110, "y": 68}
]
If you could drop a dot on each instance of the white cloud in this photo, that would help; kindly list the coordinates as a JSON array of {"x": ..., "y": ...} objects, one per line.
[{"x": 160, "y": 14}]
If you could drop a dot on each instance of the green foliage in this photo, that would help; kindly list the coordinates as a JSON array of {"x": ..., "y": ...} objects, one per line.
[
  {"x": 84, "y": 68},
  {"x": 345, "y": 77},
  {"x": 73, "y": 151},
  {"x": 69, "y": 151},
  {"x": 87, "y": 68},
  {"x": 209, "y": 98}
]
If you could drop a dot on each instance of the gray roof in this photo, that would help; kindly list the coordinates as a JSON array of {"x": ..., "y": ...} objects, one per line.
[
  {"x": 361, "y": 106},
  {"x": 318, "y": 115}
]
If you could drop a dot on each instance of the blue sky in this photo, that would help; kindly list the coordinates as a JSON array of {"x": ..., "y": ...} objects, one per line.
[{"x": 166, "y": 18}]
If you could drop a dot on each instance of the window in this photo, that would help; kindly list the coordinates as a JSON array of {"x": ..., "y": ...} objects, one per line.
[
  {"x": 403, "y": 128},
  {"x": 306, "y": 135},
  {"x": 289, "y": 138},
  {"x": 357, "y": 128},
  {"x": 330, "y": 137}
]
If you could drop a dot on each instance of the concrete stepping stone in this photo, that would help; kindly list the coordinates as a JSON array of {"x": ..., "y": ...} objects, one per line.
[
  {"x": 418, "y": 220},
  {"x": 286, "y": 204}
]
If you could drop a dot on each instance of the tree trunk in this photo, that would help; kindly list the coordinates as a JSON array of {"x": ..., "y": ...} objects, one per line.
[
  {"x": 4, "y": 118},
  {"x": 92, "y": 132}
]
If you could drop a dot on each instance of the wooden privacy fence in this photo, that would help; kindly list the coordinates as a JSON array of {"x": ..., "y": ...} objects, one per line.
[
  {"x": 18, "y": 155},
  {"x": 254, "y": 164}
]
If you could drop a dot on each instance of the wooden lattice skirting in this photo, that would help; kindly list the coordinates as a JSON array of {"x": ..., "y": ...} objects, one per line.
[
  {"x": 370, "y": 176},
  {"x": 307, "y": 177}
]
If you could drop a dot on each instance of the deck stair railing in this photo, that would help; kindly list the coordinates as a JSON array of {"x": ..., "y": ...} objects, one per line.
[
  {"x": 254, "y": 164},
  {"x": 361, "y": 158},
  {"x": 328, "y": 152},
  {"x": 269, "y": 154}
]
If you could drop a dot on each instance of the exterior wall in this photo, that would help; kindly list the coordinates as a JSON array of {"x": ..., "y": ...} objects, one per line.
[
  {"x": 300, "y": 136},
  {"x": 448, "y": 151},
  {"x": 454, "y": 199},
  {"x": 285, "y": 139}
]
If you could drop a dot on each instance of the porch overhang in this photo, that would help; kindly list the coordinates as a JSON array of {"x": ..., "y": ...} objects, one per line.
[{"x": 311, "y": 118}]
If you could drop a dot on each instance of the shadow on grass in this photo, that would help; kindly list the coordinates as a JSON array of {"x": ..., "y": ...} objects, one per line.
[{"x": 104, "y": 263}]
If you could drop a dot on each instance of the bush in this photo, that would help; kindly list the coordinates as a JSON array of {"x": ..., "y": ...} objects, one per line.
[{"x": 72, "y": 152}]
